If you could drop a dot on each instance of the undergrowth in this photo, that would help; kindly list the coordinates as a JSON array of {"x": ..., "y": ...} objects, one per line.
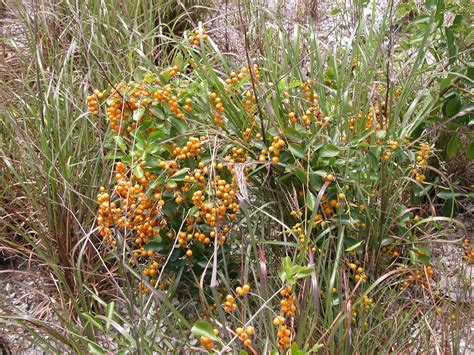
[{"x": 285, "y": 204}]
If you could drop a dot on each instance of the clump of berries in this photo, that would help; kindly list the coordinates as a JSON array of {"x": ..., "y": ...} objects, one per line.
[
  {"x": 244, "y": 334},
  {"x": 287, "y": 311}
]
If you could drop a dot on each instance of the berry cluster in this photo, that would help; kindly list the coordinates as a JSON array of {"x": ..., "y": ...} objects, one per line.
[
  {"x": 198, "y": 36},
  {"x": 421, "y": 162},
  {"x": 273, "y": 152},
  {"x": 93, "y": 102},
  {"x": 244, "y": 334},
  {"x": 287, "y": 310}
]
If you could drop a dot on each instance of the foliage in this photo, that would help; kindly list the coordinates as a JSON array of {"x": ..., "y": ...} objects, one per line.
[{"x": 283, "y": 206}]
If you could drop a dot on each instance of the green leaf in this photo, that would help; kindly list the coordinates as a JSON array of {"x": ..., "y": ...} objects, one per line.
[
  {"x": 452, "y": 106},
  {"x": 138, "y": 171},
  {"x": 202, "y": 328},
  {"x": 386, "y": 241},
  {"x": 329, "y": 151},
  {"x": 470, "y": 151},
  {"x": 180, "y": 125},
  {"x": 381, "y": 134},
  {"x": 316, "y": 348},
  {"x": 315, "y": 181},
  {"x": 179, "y": 60},
  {"x": 194, "y": 211},
  {"x": 355, "y": 246},
  {"x": 443, "y": 84},
  {"x": 109, "y": 313},
  {"x": 284, "y": 268},
  {"x": 446, "y": 195},
  {"x": 95, "y": 322},
  {"x": 171, "y": 185},
  {"x": 290, "y": 273},
  {"x": 295, "y": 350},
  {"x": 179, "y": 175},
  {"x": 95, "y": 348},
  {"x": 164, "y": 77},
  {"x": 449, "y": 208},
  {"x": 451, "y": 46},
  {"x": 154, "y": 246},
  {"x": 297, "y": 150},
  {"x": 149, "y": 78},
  {"x": 453, "y": 146},
  {"x": 425, "y": 257},
  {"x": 301, "y": 175},
  {"x": 137, "y": 114},
  {"x": 120, "y": 143},
  {"x": 259, "y": 144},
  {"x": 300, "y": 272},
  {"x": 310, "y": 201}
]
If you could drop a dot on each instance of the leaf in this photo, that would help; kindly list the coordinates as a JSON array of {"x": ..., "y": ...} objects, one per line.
[
  {"x": 179, "y": 60},
  {"x": 109, "y": 313},
  {"x": 202, "y": 328},
  {"x": 315, "y": 181},
  {"x": 451, "y": 46},
  {"x": 259, "y": 144},
  {"x": 95, "y": 348},
  {"x": 171, "y": 185},
  {"x": 284, "y": 268},
  {"x": 300, "y": 272},
  {"x": 386, "y": 241},
  {"x": 425, "y": 257},
  {"x": 449, "y": 208},
  {"x": 94, "y": 321},
  {"x": 292, "y": 133},
  {"x": 301, "y": 175},
  {"x": 316, "y": 348},
  {"x": 290, "y": 273},
  {"x": 355, "y": 246},
  {"x": 179, "y": 174},
  {"x": 140, "y": 140},
  {"x": 453, "y": 146},
  {"x": 424, "y": 250},
  {"x": 120, "y": 143},
  {"x": 149, "y": 78},
  {"x": 329, "y": 151},
  {"x": 381, "y": 134},
  {"x": 295, "y": 350},
  {"x": 452, "y": 106},
  {"x": 297, "y": 150},
  {"x": 154, "y": 246},
  {"x": 138, "y": 171},
  {"x": 164, "y": 77},
  {"x": 310, "y": 201},
  {"x": 443, "y": 84},
  {"x": 137, "y": 114},
  {"x": 470, "y": 151},
  {"x": 446, "y": 195},
  {"x": 179, "y": 124},
  {"x": 194, "y": 211}
]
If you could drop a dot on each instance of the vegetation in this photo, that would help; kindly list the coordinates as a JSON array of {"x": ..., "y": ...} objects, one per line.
[{"x": 287, "y": 200}]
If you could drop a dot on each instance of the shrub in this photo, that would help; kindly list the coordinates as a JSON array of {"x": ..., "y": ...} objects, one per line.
[
  {"x": 285, "y": 204},
  {"x": 262, "y": 167}
]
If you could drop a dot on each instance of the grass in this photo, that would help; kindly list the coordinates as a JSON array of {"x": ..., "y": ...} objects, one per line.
[{"x": 56, "y": 156}]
